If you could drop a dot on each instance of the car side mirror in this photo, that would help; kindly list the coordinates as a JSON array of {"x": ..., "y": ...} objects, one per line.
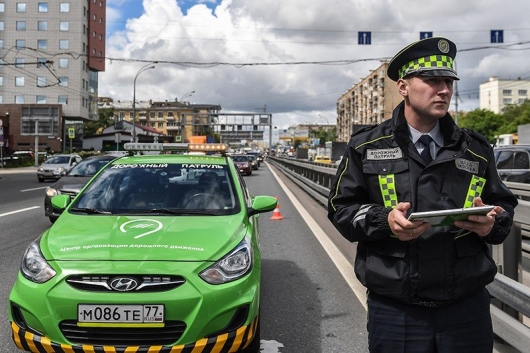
[
  {"x": 262, "y": 204},
  {"x": 60, "y": 202}
]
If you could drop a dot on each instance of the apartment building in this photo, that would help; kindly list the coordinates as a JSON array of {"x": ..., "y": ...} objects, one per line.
[
  {"x": 496, "y": 94},
  {"x": 51, "y": 53},
  {"x": 176, "y": 120},
  {"x": 368, "y": 102}
]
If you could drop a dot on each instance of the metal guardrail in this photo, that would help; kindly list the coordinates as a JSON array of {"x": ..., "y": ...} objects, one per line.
[{"x": 511, "y": 302}]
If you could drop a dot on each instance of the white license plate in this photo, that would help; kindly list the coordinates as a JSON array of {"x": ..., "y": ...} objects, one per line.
[{"x": 135, "y": 314}]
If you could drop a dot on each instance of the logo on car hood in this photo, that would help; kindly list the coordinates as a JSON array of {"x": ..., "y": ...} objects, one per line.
[
  {"x": 123, "y": 284},
  {"x": 150, "y": 225}
]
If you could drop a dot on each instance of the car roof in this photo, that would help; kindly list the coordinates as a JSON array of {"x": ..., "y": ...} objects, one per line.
[{"x": 173, "y": 158}]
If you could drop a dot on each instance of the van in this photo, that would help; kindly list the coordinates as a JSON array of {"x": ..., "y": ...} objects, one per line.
[{"x": 513, "y": 163}]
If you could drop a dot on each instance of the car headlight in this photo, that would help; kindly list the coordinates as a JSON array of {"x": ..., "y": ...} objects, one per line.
[
  {"x": 59, "y": 170},
  {"x": 51, "y": 192},
  {"x": 41, "y": 169},
  {"x": 231, "y": 267},
  {"x": 34, "y": 266}
]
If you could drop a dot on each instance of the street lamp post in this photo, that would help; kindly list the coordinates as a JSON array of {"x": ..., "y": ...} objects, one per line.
[
  {"x": 189, "y": 94},
  {"x": 321, "y": 117},
  {"x": 144, "y": 68}
]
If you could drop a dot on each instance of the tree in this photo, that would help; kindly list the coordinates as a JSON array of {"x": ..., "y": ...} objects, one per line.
[
  {"x": 105, "y": 119},
  {"x": 483, "y": 121}
]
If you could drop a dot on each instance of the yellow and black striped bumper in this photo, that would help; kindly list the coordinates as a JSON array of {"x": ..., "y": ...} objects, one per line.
[{"x": 233, "y": 341}]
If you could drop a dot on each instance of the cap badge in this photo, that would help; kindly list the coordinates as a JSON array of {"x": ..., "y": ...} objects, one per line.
[{"x": 443, "y": 45}]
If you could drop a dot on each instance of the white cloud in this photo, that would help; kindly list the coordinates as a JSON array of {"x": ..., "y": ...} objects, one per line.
[{"x": 271, "y": 31}]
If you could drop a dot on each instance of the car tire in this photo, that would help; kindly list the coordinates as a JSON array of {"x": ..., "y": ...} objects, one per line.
[
  {"x": 53, "y": 219},
  {"x": 255, "y": 344},
  {"x": 41, "y": 180}
]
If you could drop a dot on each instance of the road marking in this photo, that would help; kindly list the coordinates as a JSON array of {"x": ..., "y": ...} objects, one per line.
[
  {"x": 18, "y": 211},
  {"x": 40, "y": 188},
  {"x": 340, "y": 261}
]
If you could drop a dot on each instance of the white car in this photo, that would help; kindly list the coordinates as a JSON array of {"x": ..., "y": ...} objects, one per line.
[{"x": 57, "y": 166}]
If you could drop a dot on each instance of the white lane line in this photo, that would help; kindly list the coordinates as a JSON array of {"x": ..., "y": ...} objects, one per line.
[
  {"x": 40, "y": 188},
  {"x": 340, "y": 261},
  {"x": 18, "y": 211}
]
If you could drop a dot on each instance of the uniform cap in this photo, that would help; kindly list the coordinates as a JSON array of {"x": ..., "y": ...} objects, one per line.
[{"x": 428, "y": 57}]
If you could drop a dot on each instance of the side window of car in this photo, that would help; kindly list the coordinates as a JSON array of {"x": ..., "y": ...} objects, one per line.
[
  {"x": 505, "y": 160},
  {"x": 521, "y": 160}
]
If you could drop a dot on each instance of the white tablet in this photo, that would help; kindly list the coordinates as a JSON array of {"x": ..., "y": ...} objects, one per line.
[{"x": 447, "y": 217}]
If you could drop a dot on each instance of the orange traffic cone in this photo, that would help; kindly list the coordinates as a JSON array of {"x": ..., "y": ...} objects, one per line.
[{"x": 277, "y": 215}]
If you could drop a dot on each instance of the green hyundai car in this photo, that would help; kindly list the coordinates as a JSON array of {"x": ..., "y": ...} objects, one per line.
[{"x": 159, "y": 252}]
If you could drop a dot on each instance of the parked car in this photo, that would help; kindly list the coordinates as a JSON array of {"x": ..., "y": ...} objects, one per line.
[
  {"x": 73, "y": 182},
  {"x": 136, "y": 263},
  {"x": 243, "y": 162},
  {"x": 57, "y": 166},
  {"x": 17, "y": 156},
  {"x": 513, "y": 163},
  {"x": 259, "y": 156}
]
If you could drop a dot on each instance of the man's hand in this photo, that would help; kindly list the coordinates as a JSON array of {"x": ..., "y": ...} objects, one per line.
[
  {"x": 402, "y": 228},
  {"x": 481, "y": 225}
]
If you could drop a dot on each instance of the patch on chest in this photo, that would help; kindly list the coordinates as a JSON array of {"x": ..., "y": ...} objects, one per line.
[
  {"x": 466, "y": 165},
  {"x": 384, "y": 154}
]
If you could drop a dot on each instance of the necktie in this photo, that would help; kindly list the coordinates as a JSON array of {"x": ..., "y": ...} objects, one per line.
[{"x": 426, "y": 153}]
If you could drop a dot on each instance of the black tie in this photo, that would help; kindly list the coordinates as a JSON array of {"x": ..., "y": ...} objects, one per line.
[{"x": 426, "y": 153}]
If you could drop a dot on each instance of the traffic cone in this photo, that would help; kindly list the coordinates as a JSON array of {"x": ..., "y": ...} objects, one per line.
[{"x": 277, "y": 215}]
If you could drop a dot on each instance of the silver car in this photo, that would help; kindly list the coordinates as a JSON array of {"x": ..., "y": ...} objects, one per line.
[{"x": 57, "y": 166}]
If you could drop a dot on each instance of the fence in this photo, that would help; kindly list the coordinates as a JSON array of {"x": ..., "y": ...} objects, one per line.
[{"x": 511, "y": 304}]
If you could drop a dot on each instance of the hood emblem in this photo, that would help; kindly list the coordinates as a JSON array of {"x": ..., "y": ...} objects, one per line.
[
  {"x": 142, "y": 224},
  {"x": 123, "y": 284}
]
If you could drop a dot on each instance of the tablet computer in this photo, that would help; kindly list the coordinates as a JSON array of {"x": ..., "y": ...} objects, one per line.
[{"x": 448, "y": 217}]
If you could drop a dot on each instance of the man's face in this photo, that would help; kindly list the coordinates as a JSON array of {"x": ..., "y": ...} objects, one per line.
[{"x": 428, "y": 96}]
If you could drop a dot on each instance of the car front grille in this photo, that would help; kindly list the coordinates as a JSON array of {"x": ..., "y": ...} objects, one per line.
[
  {"x": 123, "y": 336},
  {"x": 104, "y": 283}
]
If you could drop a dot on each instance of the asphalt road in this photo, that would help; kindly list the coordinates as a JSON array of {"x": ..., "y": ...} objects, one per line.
[{"x": 308, "y": 299}]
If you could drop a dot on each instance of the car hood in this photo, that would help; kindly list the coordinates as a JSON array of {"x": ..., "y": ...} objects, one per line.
[
  {"x": 54, "y": 166},
  {"x": 70, "y": 183},
  {"x": 158, "y": 238}
]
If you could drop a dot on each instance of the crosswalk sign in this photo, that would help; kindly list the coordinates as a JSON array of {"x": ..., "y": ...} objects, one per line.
[
  {"x": 71, "y": 132},
  {"x": 178, "y": 138}
]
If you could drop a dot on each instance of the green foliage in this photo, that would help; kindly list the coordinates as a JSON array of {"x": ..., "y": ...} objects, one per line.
[
  {"x": 483, "y": 121},
  {"x": 105, "y": 119}
]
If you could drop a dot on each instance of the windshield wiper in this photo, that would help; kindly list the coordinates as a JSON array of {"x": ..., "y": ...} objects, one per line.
[
  {"x": 180, "y": 211},
  {"x": 90, "y": 210}
]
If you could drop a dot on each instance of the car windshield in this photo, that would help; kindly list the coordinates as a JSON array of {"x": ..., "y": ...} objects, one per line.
[
  {"x": 167, "y": 189},
  {"x": 88, "y": 167},
  {"x": 240, "y": 158},
  {"x": 58, "y": 160}
]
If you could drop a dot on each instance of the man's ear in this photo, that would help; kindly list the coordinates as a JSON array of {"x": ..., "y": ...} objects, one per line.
[{"x": 402, "y": 87}]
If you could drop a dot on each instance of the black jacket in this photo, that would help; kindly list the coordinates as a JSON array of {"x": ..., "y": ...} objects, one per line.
[{"x": 445, "y": 263}]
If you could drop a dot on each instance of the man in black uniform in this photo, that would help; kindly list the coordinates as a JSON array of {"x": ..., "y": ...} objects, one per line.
[{"x": 426, "y": 284}]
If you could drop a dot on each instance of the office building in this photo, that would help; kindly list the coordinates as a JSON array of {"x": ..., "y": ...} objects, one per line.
[{"x": 496, "y": 94}]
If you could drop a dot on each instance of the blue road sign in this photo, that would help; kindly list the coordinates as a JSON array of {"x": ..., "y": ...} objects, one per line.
[
  {"x": 365, "y": 38},
  {"x": 425, "y": 35},
  {"x": 497, "y": 36}
]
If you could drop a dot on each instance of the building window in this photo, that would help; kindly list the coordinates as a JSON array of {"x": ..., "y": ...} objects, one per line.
[
  {"x": 41, "y": 99},
  {"x": 64, "y": 26},
  {"x": 64, "y": 7},
  {"x": 152, "y": 115},
  {"x": 64, "y": 44},
  {"x": 522, "y": 100},
  {"x": 523, "y": 92},
  {"x": 63, "y": 63},
  {"x": 42, "y": 44},
  {"x": 19, "y": 99},
  {"x": 1, "y": 81},
  {"x": 507, "y": 101},
  {"x": 41, "y": 81},
  {"x": 20, "y": 81},
  {"x": 1, "y": 25},
  {"x": 2, "y": 7},
  {"x": 20, "y": 43},
  {"x": 1, "y": 99},
  {"x": 41, "y": 62},
  {"x": 43, "y": 7},
  {"x": 1, "y": 44},
  {"x": 160, "y": 125},
  {"x": 506, "y": 92},
  {"x": 63, "y": 100},
  {"x": 21, "y": 7},
  {"x": 63, "y": 81},
  {"x": 42, "y": 26},
  {"x": 21, "y": 25},
  {"x": 20, "y": 63}
]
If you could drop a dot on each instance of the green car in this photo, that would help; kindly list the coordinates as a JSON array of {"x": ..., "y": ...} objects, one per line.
[{"x": 157, "y": 253}]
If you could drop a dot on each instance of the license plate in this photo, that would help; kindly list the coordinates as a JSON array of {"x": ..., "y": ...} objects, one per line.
[{"x": 114, "y": 314}]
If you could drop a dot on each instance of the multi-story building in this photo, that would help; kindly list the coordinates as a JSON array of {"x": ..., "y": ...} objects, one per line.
[
  {"x": 496, "y": 94},
  {"x": 51, "y": 53},
  {"x": 177, "y": 120},
  {"x": 368, "y": 102}
]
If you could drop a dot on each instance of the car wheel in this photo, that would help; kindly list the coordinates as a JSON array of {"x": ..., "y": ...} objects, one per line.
[
  {"x": 41, "y": 180},
  {"x": 254, "y": 346},
  {"x": 53, "y": 219}
]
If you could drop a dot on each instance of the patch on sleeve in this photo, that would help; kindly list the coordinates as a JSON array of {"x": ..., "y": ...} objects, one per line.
[
  {"x": 384, "y": 154},
  {"x": 468, "y": 166}
]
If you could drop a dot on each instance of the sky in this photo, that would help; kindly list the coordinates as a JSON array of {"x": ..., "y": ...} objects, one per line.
[{"x": 295, "y": 58}]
